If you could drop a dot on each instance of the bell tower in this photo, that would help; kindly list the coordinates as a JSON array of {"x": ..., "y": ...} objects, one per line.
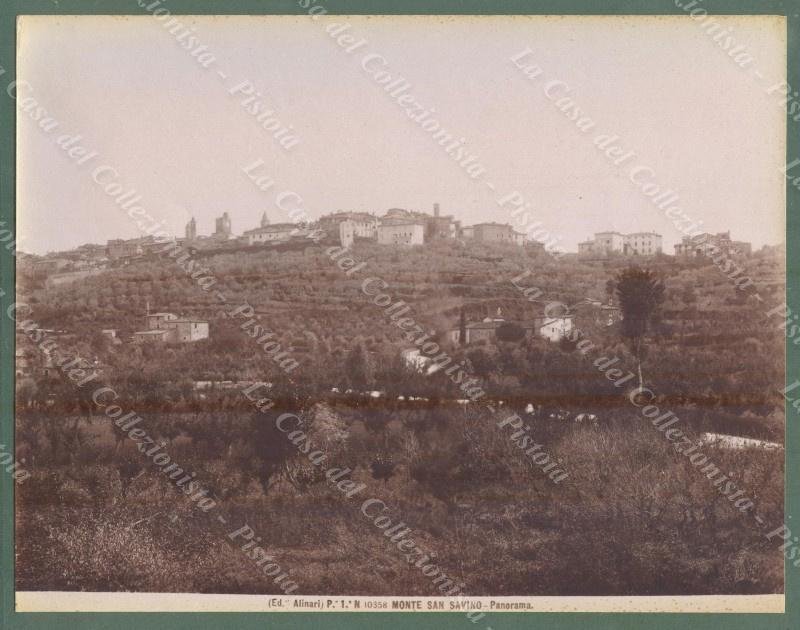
[{"x": 191, "y": 230}]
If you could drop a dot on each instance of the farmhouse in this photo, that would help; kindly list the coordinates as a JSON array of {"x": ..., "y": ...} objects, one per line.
[
  {"x": 556, "y": 328},
  {"x": 551, "y": 328},
  {"x": 169, "y": 328}
]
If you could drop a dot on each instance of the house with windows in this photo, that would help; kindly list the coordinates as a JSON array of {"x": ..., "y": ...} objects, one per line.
[
  {"x": 362, "y": 224},
  {"x": 169, "y": 328},
  {"x": 401, "y": 232},
  {"x": 434, "y": 227},
  {"x": 608, "y": 243},
  {"x": 274, "y": 232},
  {"x": 642, "y": 244},
  {"x": 496, "y": 233},
  {"x": 551, "y": 328}
]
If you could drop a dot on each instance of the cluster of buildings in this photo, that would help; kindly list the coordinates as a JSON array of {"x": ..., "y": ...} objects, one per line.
[
  {"x": 125, "y": 249},
  {"x": 129, "y": 248},
  {"x": 79, "y": 259},
  {"x": 161, "y": 328},
  {"x": 605, "y": 244},
  {"x": 268, "y": 233},
  {"x": 553, "y": 327},
  {"x": 169, "y": 328},
  {"x": 695, "y": 246},
  {"x": 408, "y": 227},
  {"x": 397, "y": 227}
]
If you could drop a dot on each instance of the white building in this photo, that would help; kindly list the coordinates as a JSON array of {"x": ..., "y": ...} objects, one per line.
[
  {"x": 362, "y": 224},
  {"x": 635, "y": 244},
  {"x": 608, "y": 242},
  {"x": 401, "y": 233},
  {"x": 556, "y": 328},
  {"x": 167, "y": 327},
  {"x": 271, "y": 233},
  {"x": 187, "y": 330},
  {"x": 642, "y": 244}
]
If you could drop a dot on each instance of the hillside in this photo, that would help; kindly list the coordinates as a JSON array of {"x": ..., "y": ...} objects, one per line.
[
  {"x": 320, "y": 316},
  {"x": 443, "y": 466}
]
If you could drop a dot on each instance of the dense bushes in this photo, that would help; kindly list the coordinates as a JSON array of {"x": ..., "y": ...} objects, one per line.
[{"x": 633, "y": 517}]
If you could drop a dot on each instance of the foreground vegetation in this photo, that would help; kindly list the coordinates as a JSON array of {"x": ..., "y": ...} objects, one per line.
[{"x": 631, "y": 518}]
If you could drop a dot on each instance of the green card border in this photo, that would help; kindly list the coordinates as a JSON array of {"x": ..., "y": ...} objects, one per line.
[{"x": 11, "y": 620}]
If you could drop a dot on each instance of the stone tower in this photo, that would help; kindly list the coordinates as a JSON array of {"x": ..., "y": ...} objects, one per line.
[
  {"x": 223, "y": 227},
  {"x": 264, "y": 220},
  {"x": 191, "y": 230}
]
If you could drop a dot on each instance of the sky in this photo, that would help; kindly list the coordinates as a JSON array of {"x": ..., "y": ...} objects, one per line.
[{"x": 171, "y": 129}]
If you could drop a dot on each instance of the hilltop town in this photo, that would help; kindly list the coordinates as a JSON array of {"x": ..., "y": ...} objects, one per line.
[{"x": 397, "y": 227}]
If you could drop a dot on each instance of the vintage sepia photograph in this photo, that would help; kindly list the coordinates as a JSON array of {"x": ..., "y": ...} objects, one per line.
[{"x": 475, "y": 314}]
